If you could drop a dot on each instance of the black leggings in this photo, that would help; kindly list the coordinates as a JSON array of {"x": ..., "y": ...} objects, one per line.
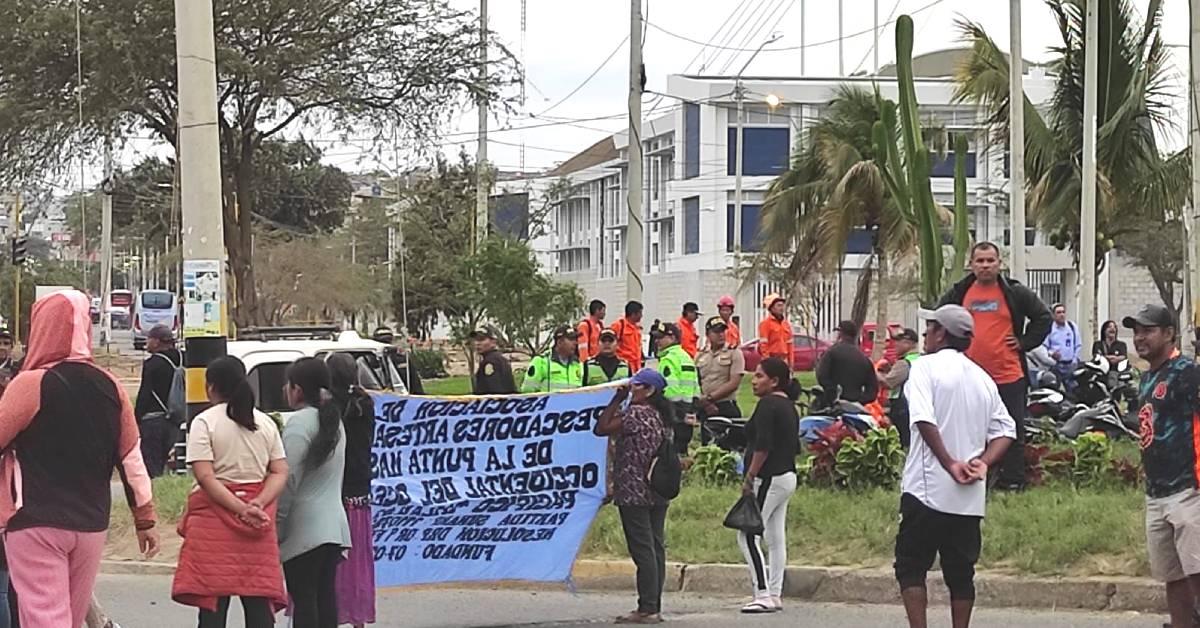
[
  {"x": 257, "y": 609},
  {"x": 310, "y": 581}
]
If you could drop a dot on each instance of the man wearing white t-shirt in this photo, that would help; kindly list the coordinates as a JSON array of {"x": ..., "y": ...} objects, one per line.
[{"x": 960, "y": 428}]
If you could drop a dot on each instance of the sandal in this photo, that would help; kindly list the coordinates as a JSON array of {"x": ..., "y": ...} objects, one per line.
[
  {"x": 759, "y": 606},
  {"x": 778, "y": 602},
  {"x": 637, "y": 617}
]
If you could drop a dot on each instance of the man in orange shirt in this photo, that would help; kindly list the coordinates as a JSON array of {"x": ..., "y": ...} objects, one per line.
[
  {"x": 775, "y": 332},
  {"x": 589, "y": 330},
  {"x": 1010, "y": 319},
  {"x": 689, "y": 339},
  {"x": 629, "y": 336},
  {"x": 733, "y": 335}
]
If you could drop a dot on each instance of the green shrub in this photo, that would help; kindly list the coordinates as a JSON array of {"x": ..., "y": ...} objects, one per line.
[
  {"x": 714, "y": 466},
  {"x": 875, "y": 461},
  {"x": 1093, "y": 460},
  {"x": 429, "y": 363}
]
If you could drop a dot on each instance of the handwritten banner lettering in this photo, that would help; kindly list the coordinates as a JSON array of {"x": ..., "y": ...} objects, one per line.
[{"x": 484, "y": 488}]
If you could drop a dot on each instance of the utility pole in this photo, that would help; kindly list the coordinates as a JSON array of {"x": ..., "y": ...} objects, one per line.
[
  {"x": 1190, "y": 215},
  {"x": 106, "y": 250},
  {"x": 803, "y": 24},
  {"x": 1087, "y": 218},
  {"x": 17, "y": 233},
  {"x": 841, "y": 39},
  {"x": 875, "y": 32},
  {"x": 633, "y": 232},
  {"x": 203, "y": 284},
  {"x": 481, "y": 150},
  {"x": 1016, "y": 144},
  {"x": 740, "y": 95}
]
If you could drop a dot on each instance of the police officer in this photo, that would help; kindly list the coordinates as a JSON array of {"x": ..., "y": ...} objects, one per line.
[
  {"x": 558, "y": 370},
  {"x": 494, "y": 375},
  {"x": 683, "y": 385},
  {"x": 894, "y": 376},
  {"x": 605, "y": 366},
  {"x": 721, "y": 370},
  {"x": 399, "y": 358}
]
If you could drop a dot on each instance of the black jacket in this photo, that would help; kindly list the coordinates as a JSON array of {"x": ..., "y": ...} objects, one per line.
[
  {"x": 1031, "y": 318},
  {"x": 494, "y": 375},
  {"x": 844, "y": 367},
  {"x": 157, "y": 376}
]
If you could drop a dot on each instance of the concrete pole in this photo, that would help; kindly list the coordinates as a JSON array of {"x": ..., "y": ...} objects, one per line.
[
  {"x": 1087, "y": 217},
  {"x": 803, "y": 24},
  {"x": 482, "y": 189},
  {"x": 740, "y": 95},
  {"x": 1016, "y": 142},
  {"x": 634, "y": 231},
  {"x": 1192, "y": 246},
  {"x": 106, "y": 250},
  {"x": 841, "y": 39},
  {"x": 875, "y": 31},
  {"x": 201, "y": 235}
]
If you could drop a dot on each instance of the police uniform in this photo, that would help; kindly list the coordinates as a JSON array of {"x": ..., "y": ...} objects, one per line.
[
  {"x": 718, "y": 368},
  {"x": 494, "y": 375},
  {"x": 683, "y": 385},
  {"x": 602, "y": 370},
  {"x": 552, "y": 372}
]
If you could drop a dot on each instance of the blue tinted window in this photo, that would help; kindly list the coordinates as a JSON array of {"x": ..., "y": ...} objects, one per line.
[
  {"x": 691, "y": 225},
  {"x": 944, "y": 168},
  {"x": 751, "y": 216},
  {"x": 691, "y": 140},
  {"x": 766, "y": 151}
]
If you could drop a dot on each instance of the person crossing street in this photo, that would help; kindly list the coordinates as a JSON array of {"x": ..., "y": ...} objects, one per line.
[
  {"x": 560, "y": 369},
  {"x": 605, "y": 366},
  {"x": 683, "y": 384}
]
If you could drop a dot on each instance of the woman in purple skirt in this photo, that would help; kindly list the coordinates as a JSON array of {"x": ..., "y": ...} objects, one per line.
[{"x": 355, "y": 575}]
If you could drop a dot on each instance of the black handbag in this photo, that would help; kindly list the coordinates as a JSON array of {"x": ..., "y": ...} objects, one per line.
[
  {"x": 666, "y": 474},
  {"x": 745, "y": 516}
]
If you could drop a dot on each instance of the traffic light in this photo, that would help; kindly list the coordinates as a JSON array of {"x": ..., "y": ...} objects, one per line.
[{"x": 19, "y": 246}]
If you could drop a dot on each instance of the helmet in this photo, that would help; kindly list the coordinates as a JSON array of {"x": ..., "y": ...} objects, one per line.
[
  {"x": 725, "y": 301},
  {"x": 771, "y": 299},
  {"x": 1047, "y": 379}
]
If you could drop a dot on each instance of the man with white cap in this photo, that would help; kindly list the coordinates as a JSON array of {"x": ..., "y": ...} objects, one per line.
[{"x": 960, "y": 428}]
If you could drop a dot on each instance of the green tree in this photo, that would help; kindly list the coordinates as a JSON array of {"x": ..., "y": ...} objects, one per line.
[
  {"x": 340, "y": 65},
  {"x": 1137, "y": 184}
]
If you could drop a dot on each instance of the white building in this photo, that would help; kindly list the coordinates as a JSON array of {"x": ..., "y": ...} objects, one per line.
[{"x": 689, "y": 196}]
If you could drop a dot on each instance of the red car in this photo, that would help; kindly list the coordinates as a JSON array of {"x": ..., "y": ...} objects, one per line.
[
  {"x": 867, "y": 340},
  {"x": 806, "y": 351}
]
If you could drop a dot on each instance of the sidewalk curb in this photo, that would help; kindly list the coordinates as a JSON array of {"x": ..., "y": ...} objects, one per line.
[{"x": 831, "y": 584}]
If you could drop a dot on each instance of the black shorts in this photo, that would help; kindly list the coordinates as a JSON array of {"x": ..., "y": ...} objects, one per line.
[{"x": 926, "y": 534}]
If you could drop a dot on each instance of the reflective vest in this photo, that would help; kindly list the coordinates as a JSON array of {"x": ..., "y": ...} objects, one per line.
[
  {"x": 548, "y": 375},
  {"x": 678, "y": 368},
  {"x": 910, "y": 358},
  {"x": 594, "y": 375}
]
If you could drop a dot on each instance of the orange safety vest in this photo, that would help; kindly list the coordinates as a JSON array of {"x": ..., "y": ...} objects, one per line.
[
  {"x": 629, "y": 343},
  {"x": 589, "y": 338},
  {"x": 733, "y": 335},
  {"x": 688, "y": 338}
]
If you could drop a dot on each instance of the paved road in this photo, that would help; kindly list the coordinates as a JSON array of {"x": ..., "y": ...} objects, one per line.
[{"x": 144, "y": 602}]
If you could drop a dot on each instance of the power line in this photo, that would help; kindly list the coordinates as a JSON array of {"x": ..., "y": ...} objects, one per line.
[
  {"x": 753, "y": 34},
  {"x": 742, "y": 23},
  {"x": 589, "y": 77},
  {"x": 826, "y": 42}
]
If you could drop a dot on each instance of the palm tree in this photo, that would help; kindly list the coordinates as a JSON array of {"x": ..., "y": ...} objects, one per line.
[
  {"x": 1136, "y": 182},
  {"x": 833, "y": 187}
]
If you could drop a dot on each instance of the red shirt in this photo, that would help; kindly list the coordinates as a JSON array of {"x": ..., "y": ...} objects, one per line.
[
  {"x": 688, "y": 338},
  {"x": 993, "y": 325},
  {"x": 733, "y": 335}
]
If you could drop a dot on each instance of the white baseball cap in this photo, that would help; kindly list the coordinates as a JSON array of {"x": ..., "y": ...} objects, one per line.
[{"x": 954, "y": 318}]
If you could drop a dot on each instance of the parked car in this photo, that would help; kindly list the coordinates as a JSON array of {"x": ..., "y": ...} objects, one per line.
[
  {"x": 867, "y": 340},
  {"x": 806, "y": 351},
  {"x": 153, "y": 308}
]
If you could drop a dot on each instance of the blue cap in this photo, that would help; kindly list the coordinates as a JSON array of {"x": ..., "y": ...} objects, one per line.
[{"x": 650, "y": 378}]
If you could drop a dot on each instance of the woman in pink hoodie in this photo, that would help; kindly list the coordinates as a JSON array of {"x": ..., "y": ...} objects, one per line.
[{"x": 65, "y": 424}]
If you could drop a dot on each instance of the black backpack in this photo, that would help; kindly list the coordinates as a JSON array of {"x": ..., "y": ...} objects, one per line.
[{"x": 666, "y": 474}]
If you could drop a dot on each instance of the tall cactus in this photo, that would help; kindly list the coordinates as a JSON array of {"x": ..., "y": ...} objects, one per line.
[{"x": 906, "y": 173}]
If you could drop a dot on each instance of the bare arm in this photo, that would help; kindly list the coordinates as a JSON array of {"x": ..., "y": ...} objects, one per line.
[
  {"x": 610, "y": 419},
  {"x": 206, "y": 477},
  {"x": 995, "y": 450},
  {"x": 277, "y": 475}
]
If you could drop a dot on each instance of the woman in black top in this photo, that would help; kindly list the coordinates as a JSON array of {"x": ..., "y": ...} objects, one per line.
[
  {"x": 1108, "y": 345},
  {"x": 355, "y": 583},
  {"x": 773, "y": 438}
]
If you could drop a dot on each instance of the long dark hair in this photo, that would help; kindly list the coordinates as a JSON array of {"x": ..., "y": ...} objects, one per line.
[
  {"x": 777, "y": 369},
  {"x": 348, "y": 395},
  {"x": 227, "y": 376},
  {"x": 1104, "y": 330},
  {"x": 311, "y": 376}
]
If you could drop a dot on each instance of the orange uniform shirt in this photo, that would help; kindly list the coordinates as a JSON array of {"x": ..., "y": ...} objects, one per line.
[
  {"x": 689, "y": 339},
  {"x": 589, "y": 338},
  {"x": 993, "y": 324},
  {"x": 733, "y": 335},
  {"x": 775, "y": 339},
  {"x": 629, "y": 343}
]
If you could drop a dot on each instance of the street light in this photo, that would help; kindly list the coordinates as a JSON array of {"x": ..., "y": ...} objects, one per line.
[
  {"x": 773, "y": 101},
  {"x": 740, "y": 95}
]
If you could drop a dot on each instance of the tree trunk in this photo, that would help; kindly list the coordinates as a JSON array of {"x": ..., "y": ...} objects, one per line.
[
  {"x": 881, "y": 308},
  {"x": 862, "y": 293}
]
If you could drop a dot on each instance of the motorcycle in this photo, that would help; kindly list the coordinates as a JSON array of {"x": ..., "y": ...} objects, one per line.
[
  {"x": 1094, "y": 406},
  {"x": 851, "y": 413}
]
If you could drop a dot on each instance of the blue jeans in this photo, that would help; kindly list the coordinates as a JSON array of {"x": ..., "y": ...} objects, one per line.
[
  {"x": 1066, "y": 374},
  {"x": 5, "y": 616}
]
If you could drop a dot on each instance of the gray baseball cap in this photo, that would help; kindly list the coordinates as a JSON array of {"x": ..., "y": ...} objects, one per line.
[{"x": 954, "y": 318}]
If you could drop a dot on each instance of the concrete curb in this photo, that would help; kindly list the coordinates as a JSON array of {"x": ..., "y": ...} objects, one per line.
[{"x": 830, "y": 584}]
